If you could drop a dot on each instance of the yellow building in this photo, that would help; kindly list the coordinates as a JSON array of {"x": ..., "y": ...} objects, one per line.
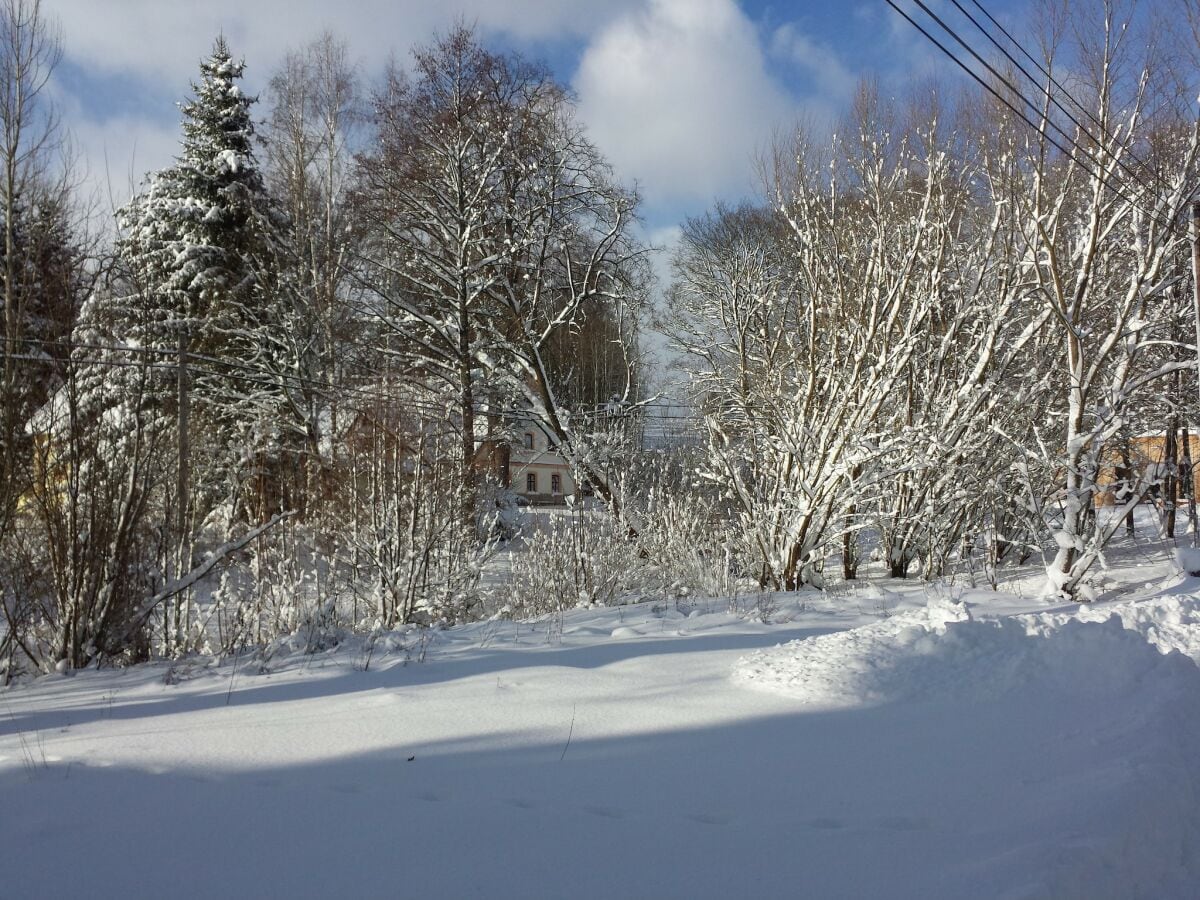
[{"x": 1145, "y": 454}]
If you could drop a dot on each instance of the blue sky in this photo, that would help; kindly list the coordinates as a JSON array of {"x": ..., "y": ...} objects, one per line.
[{"x": 679, "y": 94}]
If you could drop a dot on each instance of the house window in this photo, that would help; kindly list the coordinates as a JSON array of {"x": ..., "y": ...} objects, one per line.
[
  {"x": 531, "y": 483},
  {"x": 556, "y": 483},
  {"x": 529, "y": 440}
]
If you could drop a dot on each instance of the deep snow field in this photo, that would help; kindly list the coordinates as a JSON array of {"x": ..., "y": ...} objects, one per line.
[{"x": 888, "y": 740}]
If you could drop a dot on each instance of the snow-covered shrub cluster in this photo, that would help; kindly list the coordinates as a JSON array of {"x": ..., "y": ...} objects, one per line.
[
  {"x": 944, "y": 330},
  {"x": 670, "y": 541},
  {"x": 574, "y": 560}
]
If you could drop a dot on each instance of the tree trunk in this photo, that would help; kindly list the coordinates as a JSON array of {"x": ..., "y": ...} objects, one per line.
[{"x": 1169, "y": 492}]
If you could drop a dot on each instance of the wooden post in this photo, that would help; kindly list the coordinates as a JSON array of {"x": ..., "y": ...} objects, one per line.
[
  {"x": 182, "y": 488},
  {"x": 182, "y": 473}
]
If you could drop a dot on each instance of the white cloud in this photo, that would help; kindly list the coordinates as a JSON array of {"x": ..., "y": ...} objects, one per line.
[
  {"x": 832, "y": 83},
  {"x": 677, "y": 93},
  {"x": 678, "y": 96},
  {"x": 153, "y": 48},
  {"x": 167, "y": 38}
]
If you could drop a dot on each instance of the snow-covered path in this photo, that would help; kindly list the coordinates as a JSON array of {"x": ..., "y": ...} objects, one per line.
[{"x": 622, "y": 760}]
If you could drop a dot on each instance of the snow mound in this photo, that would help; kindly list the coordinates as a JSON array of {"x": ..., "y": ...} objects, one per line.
[
  {"x": 1099, "y": 712},
  {"x": 1189, "y": 560},
  {"x": 940, "y": 652},
  {"x": 1168, "y": 622}
]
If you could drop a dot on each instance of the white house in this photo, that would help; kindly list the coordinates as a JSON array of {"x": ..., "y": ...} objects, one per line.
[
  {"x": 530, "y": 464},
  {"x": 537, "y": 471}
]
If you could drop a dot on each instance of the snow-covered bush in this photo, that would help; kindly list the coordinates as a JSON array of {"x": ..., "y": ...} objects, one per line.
[
  {"x": 85, "y": 552},
  {"x": 403, "y": 539},
  {"x": 575, "y": 559},
  {"x": 686, "y": 547}
]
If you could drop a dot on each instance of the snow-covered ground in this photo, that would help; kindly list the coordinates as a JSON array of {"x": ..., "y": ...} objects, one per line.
[{"x": 869, "y": 742}]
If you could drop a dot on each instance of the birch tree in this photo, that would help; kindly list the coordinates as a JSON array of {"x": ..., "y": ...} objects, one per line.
[
  {"x": 199, "y": 244},
  {"x": 492, "y": 226},
  {"x": 309, "y": 136},
  {"x": 1102, "y": 242}
]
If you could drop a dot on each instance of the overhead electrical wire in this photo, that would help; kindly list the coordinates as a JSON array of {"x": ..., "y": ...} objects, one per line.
[
  {"x": 258, "y": 376},
  {"x": 1079, "y": 151},
  {"x": 1106, "y": 136},
  {"x": 1050, "y": 77}
]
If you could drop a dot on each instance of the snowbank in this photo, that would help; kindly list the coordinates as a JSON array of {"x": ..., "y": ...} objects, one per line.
[
  {"x": 941, "y": 652},
  {"x": 1102, "y": 710},
  {"x": 1168, "y": 622},
  {"x": 937, "y": 753}
]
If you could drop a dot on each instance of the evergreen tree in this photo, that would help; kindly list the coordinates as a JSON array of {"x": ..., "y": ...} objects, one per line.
[
  {"x": 47, "y": 285},
  {"x": 199, "y": 244}
]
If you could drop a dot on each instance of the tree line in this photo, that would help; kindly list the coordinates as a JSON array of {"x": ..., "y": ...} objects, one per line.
[
  {"x": 938, "y": 334},
  {"x": 260, "y": 408}
]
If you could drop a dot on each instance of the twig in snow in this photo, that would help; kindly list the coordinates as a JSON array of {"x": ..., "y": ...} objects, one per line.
[
  {"x": 233, "y": 673},
  {"x": 570, "y": 732}
]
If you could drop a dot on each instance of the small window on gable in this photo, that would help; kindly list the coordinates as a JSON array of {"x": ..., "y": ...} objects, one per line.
[
  {"x": 531, "y": 483},
  {"x": 556, "y": 483},
  {"x": 529, "y": 440}
]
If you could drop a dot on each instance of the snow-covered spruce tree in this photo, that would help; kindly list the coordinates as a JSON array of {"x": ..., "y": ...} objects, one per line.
[
  {"x": 199, "y": 245},
  {"x": 197, "y": 254}
]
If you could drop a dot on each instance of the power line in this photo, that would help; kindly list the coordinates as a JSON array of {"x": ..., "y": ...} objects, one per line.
[
  {"x": 1101, "y": 144},
  {"x": 219, "y": 368},
  {"x": 1048, "y": 75},
  {"x": 1097, "y": 174}
]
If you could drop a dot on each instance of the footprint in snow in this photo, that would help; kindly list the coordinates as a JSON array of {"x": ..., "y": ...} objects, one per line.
[
  {"x": 605, "y": 812},
  {"x": 711, "y": 818},
  {"x": 429, "y": 796},
  {"x": 519, "y": 803}
]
